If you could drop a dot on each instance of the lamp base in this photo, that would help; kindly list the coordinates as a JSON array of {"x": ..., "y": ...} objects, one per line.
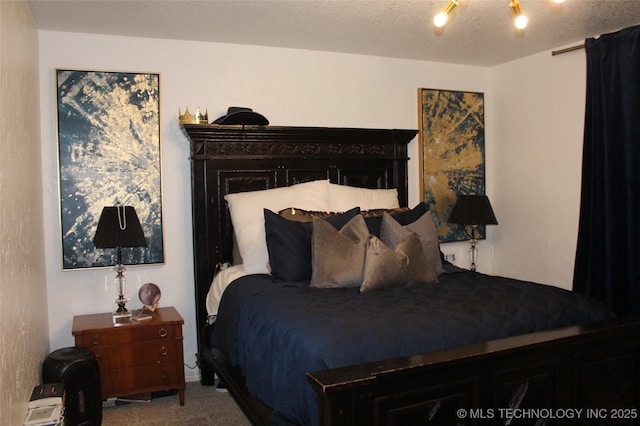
[
  {"x": 122, "y": 311},
  {"x": 121, "y": 301},
  {"x": 121, "y": 317},
  {"x": 473, "y": 249},
  {"x": 473, "y": 253},
  {"x": 119, "y": 314}
]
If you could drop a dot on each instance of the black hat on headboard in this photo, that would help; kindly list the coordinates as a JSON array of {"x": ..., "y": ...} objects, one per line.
[{"x": 242, "y": 115}]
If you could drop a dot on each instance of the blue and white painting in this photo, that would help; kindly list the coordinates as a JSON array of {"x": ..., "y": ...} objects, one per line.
[{"x": 109, "y": 152}]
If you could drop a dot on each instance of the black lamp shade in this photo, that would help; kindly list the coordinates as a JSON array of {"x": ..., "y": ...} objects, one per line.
[
  {"x": 119, "y": 226},
  {"x": 472, "y": 210}
]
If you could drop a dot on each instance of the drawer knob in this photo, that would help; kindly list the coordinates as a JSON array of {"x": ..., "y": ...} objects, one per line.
[
  {"x": 95, "y": 340},
  {"x": 162, "y": 332},
  {"x": 163, "y": 351},
  {"x": 164, "y": 374}
]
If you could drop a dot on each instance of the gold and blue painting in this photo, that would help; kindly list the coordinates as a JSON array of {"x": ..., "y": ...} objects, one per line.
[
  {"x": 109, "y": 152},
  {"x": 452, "y": 157}
]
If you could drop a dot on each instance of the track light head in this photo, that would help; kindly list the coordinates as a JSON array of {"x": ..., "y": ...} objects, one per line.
[
  {"x": 441, "y": 18},
  {"x": 520, "y": 20}
]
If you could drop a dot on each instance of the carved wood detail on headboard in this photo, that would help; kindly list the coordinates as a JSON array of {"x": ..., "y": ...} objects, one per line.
[{"x": 226, "y": 159}]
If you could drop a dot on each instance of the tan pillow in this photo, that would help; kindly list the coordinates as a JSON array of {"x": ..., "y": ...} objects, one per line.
[
  {"x": 391, "y": 232},
  {"x": 338, "y": 256},
  {"x": 386, "y": 266}
]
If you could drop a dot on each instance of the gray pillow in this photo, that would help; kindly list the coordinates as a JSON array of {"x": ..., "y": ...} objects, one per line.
[
  {"x": 392, "y": 264},
  {"x": 338, "y": 256},
  {"x": 391, "y": 232}
]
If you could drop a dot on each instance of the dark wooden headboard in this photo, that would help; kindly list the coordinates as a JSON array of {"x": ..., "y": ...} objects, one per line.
[{"x": 230, "y": 159}]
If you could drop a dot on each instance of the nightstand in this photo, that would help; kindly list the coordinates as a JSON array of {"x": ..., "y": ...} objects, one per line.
[{"x": 135, "y": 356}]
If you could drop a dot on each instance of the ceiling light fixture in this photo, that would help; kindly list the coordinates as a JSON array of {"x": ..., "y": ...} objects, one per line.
[
  {"x": 520, "y": 20},
  {"x": 441, "y": 18}
]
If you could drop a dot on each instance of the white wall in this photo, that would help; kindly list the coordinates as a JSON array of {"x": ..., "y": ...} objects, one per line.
[
  {"x": 290, "y": 87},
  {"x": 24, "y": 340},
  {"x": 538, "y": 106}
]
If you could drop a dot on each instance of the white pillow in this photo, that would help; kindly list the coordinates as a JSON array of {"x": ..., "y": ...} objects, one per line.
[
  {"x": 247, "y": 215},
  {"x": 219, "y": 284},
  {"x": 343, "y": 198}
]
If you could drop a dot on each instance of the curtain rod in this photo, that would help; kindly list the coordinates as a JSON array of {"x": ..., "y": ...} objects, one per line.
[{"x": 568, "y": 49}]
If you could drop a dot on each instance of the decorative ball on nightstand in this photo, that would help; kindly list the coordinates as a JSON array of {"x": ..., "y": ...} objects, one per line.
[{"x": 149, "y": 295}]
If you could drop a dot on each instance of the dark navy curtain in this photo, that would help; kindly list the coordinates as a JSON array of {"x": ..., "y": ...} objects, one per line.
[{"x": 607, "y": 263}]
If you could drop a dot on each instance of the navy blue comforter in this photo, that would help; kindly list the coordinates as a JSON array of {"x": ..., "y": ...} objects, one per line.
[{"x": 277, "y": 332}]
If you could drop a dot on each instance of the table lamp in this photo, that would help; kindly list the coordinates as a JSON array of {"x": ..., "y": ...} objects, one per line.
[
  {"x": 472, "y": 211},
  {"x": 119, "y": 227}
]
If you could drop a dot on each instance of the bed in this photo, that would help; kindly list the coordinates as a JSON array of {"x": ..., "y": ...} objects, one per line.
[{"x": 553, "y": 350}]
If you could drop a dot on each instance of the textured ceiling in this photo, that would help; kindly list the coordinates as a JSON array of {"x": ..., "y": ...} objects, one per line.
[{"x": 480, "y": 32}]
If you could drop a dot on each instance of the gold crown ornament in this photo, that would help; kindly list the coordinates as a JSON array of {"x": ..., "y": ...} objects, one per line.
[{"x": 197, "y": 118}]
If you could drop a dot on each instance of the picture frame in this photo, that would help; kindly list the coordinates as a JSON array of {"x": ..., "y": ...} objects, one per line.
[
  {"x": 451, "y": 154},
  {"x": 108, "y": 152}
]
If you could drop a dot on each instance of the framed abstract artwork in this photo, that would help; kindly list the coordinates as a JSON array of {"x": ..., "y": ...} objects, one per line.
[
  {"x": 109, "y": 152},
  {"x": 452, "y": 160}
]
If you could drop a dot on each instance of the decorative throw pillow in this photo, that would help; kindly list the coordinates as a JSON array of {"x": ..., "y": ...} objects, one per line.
[
  {"x": 378, "y": 212},
  {"x": 338, "y": 256},
  {"x": 247, "y": 215},
  {"x": 388, "y": 265},
  {"x": 373, "y": 217},
  {"x": 289, "y": 243},
  {"x": 392, "y": 232},
  {"x": 342, "y": 198},
  {"x": 300, "y": 215},
  {"x": 405, "y": 218}
]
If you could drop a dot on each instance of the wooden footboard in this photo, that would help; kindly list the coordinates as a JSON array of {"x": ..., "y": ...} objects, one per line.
[{"x": 574, "y": 375}]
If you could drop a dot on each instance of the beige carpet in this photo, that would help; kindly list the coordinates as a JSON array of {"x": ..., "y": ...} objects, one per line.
[{"x": 203, "y": 405}]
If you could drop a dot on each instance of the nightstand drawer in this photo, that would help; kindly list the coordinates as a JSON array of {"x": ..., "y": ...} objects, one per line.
[
  {"x": 130, "y": 335},
  {"x": 135, "y": 354},
  {"x": 134, "y": 380}
]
